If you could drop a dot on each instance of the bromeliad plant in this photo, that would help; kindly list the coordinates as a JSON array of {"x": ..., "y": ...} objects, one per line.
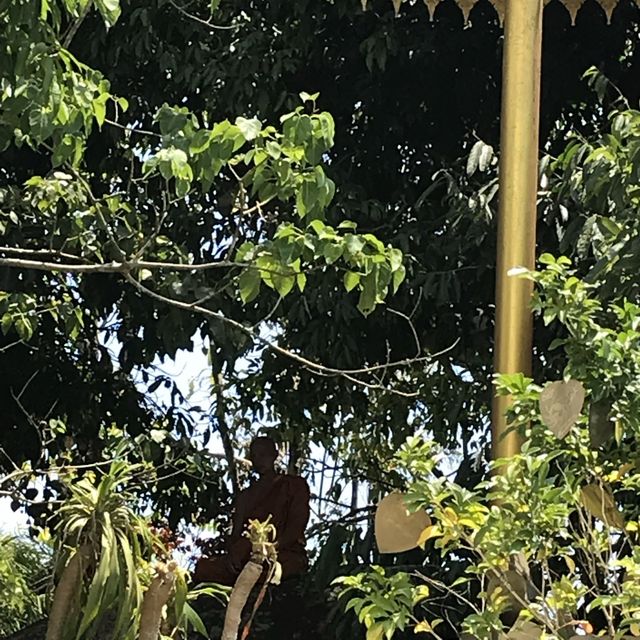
[
  {"x": 114, "y": 576},
  {"x": 552, "y": 536}
]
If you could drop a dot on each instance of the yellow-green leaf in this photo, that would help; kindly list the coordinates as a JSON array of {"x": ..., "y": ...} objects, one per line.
[
  {"x": 423, "y": 627},
  {"x": 375, "y": 632},
  {"x": 432, "y": 531}
]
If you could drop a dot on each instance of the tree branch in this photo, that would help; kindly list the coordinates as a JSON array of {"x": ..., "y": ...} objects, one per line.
[{"x": 314, "y": 366}]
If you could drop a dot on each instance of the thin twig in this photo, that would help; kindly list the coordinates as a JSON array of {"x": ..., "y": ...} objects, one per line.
[
  {"x": 315, "y": 366},
  {"x": 205, "y": 23},
  {"x": 130, "y": 129},
  {"x": 411, "y": 326},
  {"x": 73, "y": 29}
]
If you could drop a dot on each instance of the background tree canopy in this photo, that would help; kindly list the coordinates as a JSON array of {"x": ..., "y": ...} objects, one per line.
[{"x": 117, "y": 135}]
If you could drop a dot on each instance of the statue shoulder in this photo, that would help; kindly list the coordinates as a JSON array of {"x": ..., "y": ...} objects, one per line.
[{"x": 297, "y": 483}]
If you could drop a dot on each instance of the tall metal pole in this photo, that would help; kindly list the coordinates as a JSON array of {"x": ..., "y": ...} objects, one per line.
[{"x": 517, "y": 211}]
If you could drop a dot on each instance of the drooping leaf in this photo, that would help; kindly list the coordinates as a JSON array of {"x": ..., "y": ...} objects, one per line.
[
  {"x": 599, "y": 502},
  {"x": 249, "y": 284}
]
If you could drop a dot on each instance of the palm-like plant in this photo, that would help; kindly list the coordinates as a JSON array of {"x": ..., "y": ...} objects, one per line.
[
  {"x": 103, "y": 554},
  {"x": 115, "y": 577}
]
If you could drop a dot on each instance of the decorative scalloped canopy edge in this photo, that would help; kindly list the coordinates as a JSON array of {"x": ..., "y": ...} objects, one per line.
[{"x": 466, "y": 6}]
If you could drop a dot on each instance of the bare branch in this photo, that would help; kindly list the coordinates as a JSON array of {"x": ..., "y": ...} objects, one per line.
[
  {"x": 130, "y": 129},
  {"x": 314, "y": 366},
  {"x": 205, "y": 23},
  {"x": 411, "y": 326},
  {"x": 113, "y": 267}
]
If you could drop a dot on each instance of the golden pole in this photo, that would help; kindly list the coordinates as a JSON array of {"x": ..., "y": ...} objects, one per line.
[{"x": 517, "y": 211}]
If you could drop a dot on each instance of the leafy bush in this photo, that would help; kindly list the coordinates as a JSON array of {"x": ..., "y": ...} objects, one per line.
[
  {"x": 553, "y": 535},
  {"x": 24, "y": 567}
]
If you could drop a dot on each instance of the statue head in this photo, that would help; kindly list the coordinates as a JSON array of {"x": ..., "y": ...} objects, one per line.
[{"x": 263, "y": 454}]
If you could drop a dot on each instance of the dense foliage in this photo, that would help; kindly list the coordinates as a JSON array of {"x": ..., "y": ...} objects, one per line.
[
  {"x": 24, "y": 574},
  {"x": 167, "y": 183},
  {"x": 552, "y": 537}
]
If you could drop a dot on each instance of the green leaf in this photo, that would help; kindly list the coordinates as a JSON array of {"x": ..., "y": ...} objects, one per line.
[
  {"x": 395, "y": 259},
  {"x": 327, "y": 127},
  {"x": 354, "y": 244},
  {"x": 369, "y": 294},
  {"x": 7, "y": 321},
  {"x": 318, "y": 226},
  {"x": 100, "y": 110},
  {"x": 375, "y": 632},
  {"x": 308, "y": 97},
  {"x": 283, "y": 284},
  {"x": 249, "y": 284},
  {"x": 213, "y": 5},
  {"x": 110, "y": 11},
  {"x": 301, "y": 280},
  {"x": 398, "y": 277},
  {"x": 332, "y": 252},
  {"x": 24, "y": 327},
  {"x": 351, "y": 280},
  {"x": 246, "y": 252},
  {"x": 194, "y": 620},
  {"x": 200, "y": 141},
  {"x": 249, "y": 128},
  {"x": 96, "y": 589}
]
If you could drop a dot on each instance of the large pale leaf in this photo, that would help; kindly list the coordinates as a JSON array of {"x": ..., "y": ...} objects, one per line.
[
  {"x": 396, "y": 529},
  {"x": 598, "y": 501},
  {"x": 525, "y": 630},
  {"x": 560, "y": 405}
]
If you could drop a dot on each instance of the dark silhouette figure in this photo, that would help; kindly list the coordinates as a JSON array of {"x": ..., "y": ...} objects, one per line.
[{"x": 283, "y": 497}]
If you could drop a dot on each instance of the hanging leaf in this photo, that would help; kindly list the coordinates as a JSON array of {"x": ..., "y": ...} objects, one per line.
[
  {"x": 249, "y": 284},
  {"x": 474, "y": 157},
  {"x": 432, "y": 531},
  {"x": 598, "y": 501},
  {"x": 396, "y": 529},
  {"x": 375, "y": 632},
  {"x": 250, "y": 128},
  {"x": 479, "y": 158},
  {"x": 601, "y": 427},
  {"x": 396, "y": 6},
  {"x": 560, "y": 405}
]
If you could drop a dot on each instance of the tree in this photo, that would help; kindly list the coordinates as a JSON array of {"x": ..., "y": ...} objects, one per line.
[
  {"x": 387, "y": 83},
  {"x": 553, "y": 535},
  {"x": 73, "y": 227},
  {"x": 446, "y": 228}
]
